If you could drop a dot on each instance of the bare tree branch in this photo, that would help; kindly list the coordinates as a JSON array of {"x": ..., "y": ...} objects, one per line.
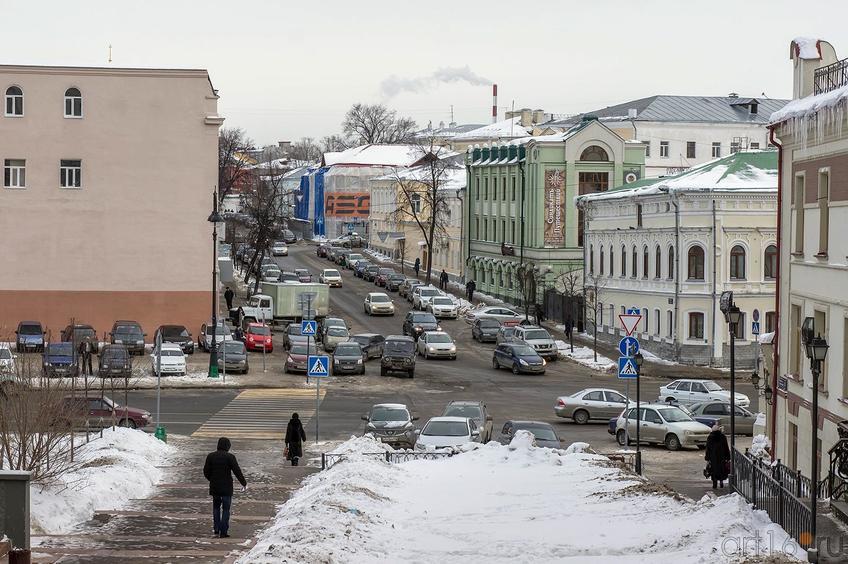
[
  {"x": 232, "y": 170},
  {"x": 375, "y": 123}
]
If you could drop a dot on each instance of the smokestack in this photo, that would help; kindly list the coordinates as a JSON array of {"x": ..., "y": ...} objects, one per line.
[{"x": 494, "y": 103}]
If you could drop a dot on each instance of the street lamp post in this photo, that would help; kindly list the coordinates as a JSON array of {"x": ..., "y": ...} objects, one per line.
[
  {"x": 214, "y": 218},
  {"x": 733, "y": 316},
  {"x": 815, "y": 348}
]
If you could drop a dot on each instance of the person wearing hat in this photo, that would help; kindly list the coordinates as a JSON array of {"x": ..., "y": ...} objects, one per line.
[
  {"x": 717, "y": 455},
  {"x": 295, "y": 435}
]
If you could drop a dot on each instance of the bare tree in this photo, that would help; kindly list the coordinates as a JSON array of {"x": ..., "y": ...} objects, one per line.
[
  {"x": 305, "y": 151},
  {"x": 232, "y": 169},
  {"x": 592, "y": 300},
  {"x": 332, "y": 144},
  {"x": 571, "y": 283},
  {"x": 375, "y": 123}
]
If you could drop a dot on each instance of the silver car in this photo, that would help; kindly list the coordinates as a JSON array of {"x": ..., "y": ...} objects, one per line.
[
  {"x": 591, "y": 404},
  {"x": 436, "y": 344},
  {"x": 334, "y": 336},
  {"x": 661, "y": 424},
  {"x": 720, "y": 410},
  {"x": 391, "y": 423},
  {"x": 539, "y": 339}
]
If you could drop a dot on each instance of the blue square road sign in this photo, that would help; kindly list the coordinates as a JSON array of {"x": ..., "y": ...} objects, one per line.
[
  {"x": 308, "y": 328},
  {"x": 318, "y": 366}
]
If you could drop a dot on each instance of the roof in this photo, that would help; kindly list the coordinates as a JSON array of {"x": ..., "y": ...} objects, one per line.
[
  {"x": 450, "y": 130},
  {"x": 375, "y": 155},
  {"x": 749, "y": 171},
  {"x": 453, "y": 178},
  {"x": 509, "y": 128},
  {"x": 805, "y": 108},
  {"x": 694, "y": 109}
]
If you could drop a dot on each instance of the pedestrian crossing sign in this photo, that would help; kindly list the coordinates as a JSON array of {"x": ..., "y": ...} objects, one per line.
[
  {"x": 308, "y": 328},
  {"x": 318, "y": 366},
  {"x": 626, "y": 367}
]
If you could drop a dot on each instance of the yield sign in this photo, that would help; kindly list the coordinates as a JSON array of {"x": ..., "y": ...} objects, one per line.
[{"x": 629, "y": 321}]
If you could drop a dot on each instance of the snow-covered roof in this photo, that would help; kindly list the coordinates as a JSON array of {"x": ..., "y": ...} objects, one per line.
[
  {"x": 454, "y": 177},
  {"x": 749, "y": 171},
  {"x": 508, "y": 128},
  {"x": 803, "y": 108},
  {"x": 375, "y": 155},
  {"x": 807, "y": 47}
]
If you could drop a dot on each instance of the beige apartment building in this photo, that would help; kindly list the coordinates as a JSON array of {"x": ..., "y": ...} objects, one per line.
[{"x": 108, "y": 181}]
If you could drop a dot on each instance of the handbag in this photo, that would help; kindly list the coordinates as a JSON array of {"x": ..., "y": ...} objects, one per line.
[
  {"x": 286, "y": 452},
  {"x": 707, "y": 470}
]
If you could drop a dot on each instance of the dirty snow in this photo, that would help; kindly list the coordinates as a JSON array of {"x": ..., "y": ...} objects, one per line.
[
  {"x": 495, "y": 503},
  {"x": 585, "y": 356}
]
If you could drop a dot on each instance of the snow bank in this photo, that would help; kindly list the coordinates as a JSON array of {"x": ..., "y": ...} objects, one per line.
[
  {"x": 515, "y": 503},
  {"x": 585, "y": 356},
  {"x": 761, "y": 448},
  {"x": 119, "y": 467},
  {"x": 651, "y": 357}
]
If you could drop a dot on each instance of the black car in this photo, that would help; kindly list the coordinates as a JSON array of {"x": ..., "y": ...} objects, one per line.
[
  {"x": 129, "y": 334},
  {"x": 370, "y": 272},
  {"x": 543, "y": 433},
  {"x": 176, "y": 334},
  {"x": 485, "y": 329},
  {"x": 289, "y": 237},
  {"x": 360, "y": 268},
  {"x": 416, "y": 322},
  {"x": 371, "y": 343},
  {"x": 348, "y": 358},
  {"x": 115, "y": 362},
  {"x": 29, "y": 337},
  {"x": 519, "y": 357},
  {"x": 394, "y": 281},
  {"x": 78, "y": 333},
  {"x": 398, "y": 355}
]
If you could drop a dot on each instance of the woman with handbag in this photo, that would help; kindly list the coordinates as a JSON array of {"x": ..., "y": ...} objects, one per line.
[
  {"x": 295, "y": 435},
  {"x": 717, "y": 456}
]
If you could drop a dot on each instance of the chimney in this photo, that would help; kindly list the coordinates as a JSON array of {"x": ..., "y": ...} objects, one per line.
[
  {"x": 538, "y": 116},
  {"x": 808, "y": 54},
  {"x": 632, "y": 113},
  {"x": 494, "y": 103},
  {"x": 733, "y": 95},
  {"x": 526, "y": 117}
]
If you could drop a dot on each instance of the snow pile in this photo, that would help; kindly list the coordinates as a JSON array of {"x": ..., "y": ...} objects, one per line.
[
  {"x": 808, "y": 47},
  {"x": 761, "y": 448},
  {"x": 651, "y": 357},
  {"x": 585, "y": 356},
  {"x": 115, "y": 469},
  {"x": 194, "y": 379},
  {"x": 515, "y": 503}
]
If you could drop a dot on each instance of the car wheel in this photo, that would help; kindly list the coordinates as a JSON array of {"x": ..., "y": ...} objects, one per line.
[
  {"x": 495, "y": 364},
  {"x": 382, "y": 371},
  {"x": 670, "y": 401},
  {"x": 581, "y": 416},
  {"x": 128, "y": 423},
  {"x": 285, "y": 370},
  {"x": 411, "y": 373},
  {"x": 672, "y": 442},
  {"x": 621, "y": 437},
  {"x": 515, "y": 369}
]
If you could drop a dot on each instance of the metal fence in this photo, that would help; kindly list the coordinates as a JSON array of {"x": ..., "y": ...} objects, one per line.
[
  {"x": 559, "y": 307},
  {"x": 330, "y": 458},
  {"x": 831, "y": 77}
]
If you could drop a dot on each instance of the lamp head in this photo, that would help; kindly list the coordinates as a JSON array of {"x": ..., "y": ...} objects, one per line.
[
  {"x": 808, "y": 330},
  {"x": 769, "y": 394},
  {"x": 755, "y": 380},
  {"x": 725, "y": 301}
]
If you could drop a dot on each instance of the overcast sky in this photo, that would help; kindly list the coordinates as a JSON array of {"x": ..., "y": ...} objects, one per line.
[{"x": 285, "y": 70}]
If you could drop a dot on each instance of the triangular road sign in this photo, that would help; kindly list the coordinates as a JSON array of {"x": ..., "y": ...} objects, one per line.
[{"x": 629, "y": 321}]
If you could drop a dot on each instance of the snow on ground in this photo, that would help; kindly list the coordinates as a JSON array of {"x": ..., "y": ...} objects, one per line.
[
  {"x": 651, "y": 357},
  {"x": 585, "y": 356},
  {"x": 515, "y": 503},
  {"x": 116, "y": 468}
]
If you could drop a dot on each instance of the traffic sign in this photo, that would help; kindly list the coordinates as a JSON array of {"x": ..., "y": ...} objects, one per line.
[
  {"x": 628, "y": 346},
  {"x": 627, "y": 367},
  {"x": 634, "y": 311},
  {"x": 308, "y": 328},
  {"x": 629, "y": 321},
  {"x": 756, "y": 315},
  {"x": 755, "y": 327},
  {"x": 319, "y": 366}
]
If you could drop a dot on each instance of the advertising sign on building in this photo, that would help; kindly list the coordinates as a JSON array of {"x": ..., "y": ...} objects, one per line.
[
  {"x": 554, "y": 208},
  {"x": 351, "y": 204}
]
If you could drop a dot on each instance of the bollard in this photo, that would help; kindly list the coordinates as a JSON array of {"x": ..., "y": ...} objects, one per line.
[{"x": 161, "y": 434}]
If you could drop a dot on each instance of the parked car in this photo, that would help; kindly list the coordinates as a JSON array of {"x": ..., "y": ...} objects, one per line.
[
  {"x": 378, "y": 303},
  {"x": 232, "y": 357},
  {"x": 352, "y": 259},
  {"x": 176, "y": 334},
  {"x": 95, "y": 411},
  {"x": 114, "y": 362},
  {"x": 436, "y": 344},
  {"x": 474, "y": 410},
  {"x": 297, "y": 357},
  {"x": 371, "y": 343},
  {"x": 257, "y": 336},
  {"x": 485, "y": 329},
  {"x": 398, "y": 355},
  {"x": 288, "y": 276},
  {"x": 321, "y": 250},
  {"x": 325, "y": 324},
  {"x": 29, "y": 337},
  {"x": 173, "y": 360},
  {"x": 280, "y": 249},
  {"x": 543, "y": 433},
  {"x": 442, "y": 307},
  {"x": 303, "y": 275},
  {"x": 333, "y": 336},
  {"x": 505, "y": 334},
  {"x": 348, "y": 358},
  {"x": 59, "y": 359},
  {"x": 349, "y": 240},
  {"x": 661, "y": 424},
  {"x": 341, "y": 256},
  {"x": 416, "y": 322},
  {"x": 539, "y": 339},
  {"x": 331, "y": 253},
  {"x": 271, "y": 273},
  {"x": 590, "y": 404},
  {"x": 447, "y": 432},
  {"x": 370, "y": 272},
  {"x": 221, "y": 334},
  {"x": 519, "y": 357},
  {"x": 720, "y": 410},
  {"x": 391, "y": 423},
  {"x": 332, "y": 277},
  {"x": 7, "y": 361},
  {"x": 394, "y": 281},
  {"x": 359, "y": 271},
  {"x": 407, "y": 286},
  {"x": 688, "y": 392},
  {"x": 422, "y": 295},
  {"x": 289, "y": 237},
  {"x": 129, "y": 334},
  {"x": 292, "y": 336},
  {"x": 383, "y": 275},
  {"x": 501, "y": 314},
  {"x": 78, "y": 333}
]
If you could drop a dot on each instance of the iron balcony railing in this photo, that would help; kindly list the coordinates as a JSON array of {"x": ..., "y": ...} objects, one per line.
[{"x": 831, "y": 77}]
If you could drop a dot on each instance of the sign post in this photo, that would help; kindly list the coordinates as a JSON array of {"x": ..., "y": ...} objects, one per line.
[
  {"x": 160, "y": 430},
  {"x": 629, "y": 367},
  {"x": 318, "y": 366}
]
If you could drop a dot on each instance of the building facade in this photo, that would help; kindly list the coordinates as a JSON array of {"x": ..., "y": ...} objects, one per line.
[
  {"x": 670, "y": 247},
  {"x": 521, "y": 216},
  {"x": 109, "y": 177},
  {"x": 813, "y": 134}
]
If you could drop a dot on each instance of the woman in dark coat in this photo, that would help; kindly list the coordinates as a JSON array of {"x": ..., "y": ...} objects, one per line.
[
  {"x": 295, "y": 436},
  {"x": 718, "y": 456}
]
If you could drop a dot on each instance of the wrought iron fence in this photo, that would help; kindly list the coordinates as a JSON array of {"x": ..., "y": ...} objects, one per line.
[
  {"x": 330, "y": 458},
  {"x": 831, "y": 77}
]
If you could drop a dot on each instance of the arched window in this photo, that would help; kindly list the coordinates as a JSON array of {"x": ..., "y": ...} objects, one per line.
[
  {"x": 645, "y": 261},
  {"x": 601, "y": 271},
  {"x": 73, "y": 103},
  {"x": 14, "y": 101},
  {"x": 671, "y": 262},
  {"x": 770, "y": 263},
  {"x": 623, "y": 261},
  {"x": 658, "y": 265},
  {"x": 594, "y": 153},
  {"x": 591, "y": 259},
  {"x": 634, "y": 260},
  {"x": 696, "y": 263},
  {"x": 415, "y": 205},
  {"x": 612, "y": 262},
  {"x": 737, "y": 263}
]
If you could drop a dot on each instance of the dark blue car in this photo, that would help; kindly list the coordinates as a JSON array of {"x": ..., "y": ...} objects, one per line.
[
  {"x": 59, "y": 360},
  {"x": 519, "y": 357},
  {"x": 29, "y": 337}
]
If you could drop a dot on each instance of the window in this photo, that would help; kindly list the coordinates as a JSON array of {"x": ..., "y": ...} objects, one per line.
[
  {"x": 485, "y": 188},
  {"x": 612, "y": 262},
  {"x": 634, "y": 259},
  {"x": 594, "y": 153},
  {"x": 477, "y": 188},
  {"x": 512, "y": 239},
  {"x": 638, "y": 215},
  {"x": 740, "y": 327},
  {"x": 696, "y": 263},
  {"x": 716, "y": 150},
  {"x": 647, "y": 149},
  {"x": 600, "y": 314},
  {"x": 477, "y": 227},
  {"x": 646, "y": 258},
  {"x": 612, "y": 314},
  {"x": 73, "y": 103},
  {"x": 669, "y": 319},
  {"x": 485, "y": 229},
  {"x": 503, "y": 188},
  {"x": 14, "y": 173},
  {"x": 70, "y": 174},
  {"x": 623, "y": 261},
  {"x": 696, "y": 325},
  {"x": 690, "y": 149},
  {"x": 734, "y": 147},
  {"x": 664, "y": 149},
  {"x": 602, "y": 262},
  {"x": 671, "y": 260},
  {"x": 415, "y": 203},
  {"x": 798, "y": 202},
  {"x": 657, "y": 327},
  {"x": 737, "y": 263},
  {"x": 513, "y": 188},
  {"x": 771, "y": 321},
  {"x": 824, "y": 210},
  {"x": 14, "y": 101},
  {"x": 755, "y": 145},
  {"x": 658, "y": 263},
  {"x": 591, "y": 259},
  {"x": 770, "y": 263},
  {"x": 795, "y": 340}
]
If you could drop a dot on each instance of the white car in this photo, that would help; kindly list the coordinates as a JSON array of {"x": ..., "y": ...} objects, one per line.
[
  {"x": 7, "y": 360},
  {"x": 270, "y": 273},
  {"x": 443, "y": 306},
  {"x": 436, "y": 344},
  {"x": 539, "y": 339},
  {"x": 204, "y": 339},
  {"x": 661, "y": 424},
  {"x": 331, "y": 276},
  {"x": 173, "y": 360},
  {"x": 422, "y": 295},
  {"x": 280, "y": 249},
  {"x": 505, "y": 316},
  {"x": 378, "y": 303},
  {"x": 689, "y": 392},
  {"x": 447, "y": 432}
]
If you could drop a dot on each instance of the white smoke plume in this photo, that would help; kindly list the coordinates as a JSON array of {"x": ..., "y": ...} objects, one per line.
[{"x": 394, "y": 85}]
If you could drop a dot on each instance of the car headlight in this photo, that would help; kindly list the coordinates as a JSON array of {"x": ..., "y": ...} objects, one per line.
[
  {"x": 431, "y": 349},
  {"x": 407, "y": 361},
  {"x": 522, "y": 362},
  {"x": 453, "y": 348},
  {"x": 418, "y": 328},
  {"x": 544, "y": 362},
  {"x": 687, "y": 433},
  {"x": 359, "y": 361},
  {"x": 336, "y": 361}
]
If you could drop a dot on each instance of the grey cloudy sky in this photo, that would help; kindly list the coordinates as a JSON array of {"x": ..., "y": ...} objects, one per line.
[{"x": 290, "y": 69}]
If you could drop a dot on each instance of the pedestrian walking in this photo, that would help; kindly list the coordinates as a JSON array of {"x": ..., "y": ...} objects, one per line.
[
  {"x": 443, "y": 280},
  {"x": 471, "y": 287},
  {"x": 295, "y": 435},
  {"x": 569, "y": 325},
  {"x": 84, "y": 352},
  {"x": 228, "y": 296},
  {"x": 417, "y": 266},
  {"x": 219, "y": 469},
  {"x": 540, "y": 314},
  {"x": 717, "y": 456}
]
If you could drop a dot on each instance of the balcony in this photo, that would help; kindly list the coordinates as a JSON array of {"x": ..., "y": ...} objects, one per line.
[{"x": 831, "y": 77}]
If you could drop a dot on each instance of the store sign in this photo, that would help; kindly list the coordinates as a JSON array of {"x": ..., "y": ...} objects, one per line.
[
  {"x": 356, "y": 204},
  {"x": 554, "y": 208}
]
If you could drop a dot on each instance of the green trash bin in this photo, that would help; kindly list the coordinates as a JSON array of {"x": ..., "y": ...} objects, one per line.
[{"x": 161, "y": 434}]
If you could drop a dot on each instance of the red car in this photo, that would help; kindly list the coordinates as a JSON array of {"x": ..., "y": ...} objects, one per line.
[
  {"x": 256, "y": 335},
  {"x": 99, "y": 412},
  {"x": 383, "y": 275},
  {"x": 297, "y": 357}
]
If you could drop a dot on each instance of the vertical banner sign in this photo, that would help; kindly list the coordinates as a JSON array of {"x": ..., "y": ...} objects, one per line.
[
  {"x": 301, "y": 208},
  {"x": 318, "y": 225},
  {"x": 554, "y": 207}
]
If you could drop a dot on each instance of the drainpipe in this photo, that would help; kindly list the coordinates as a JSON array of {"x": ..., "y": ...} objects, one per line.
[
  {"x": 521, "y": 257},
  {"x": 675, "y": 333},
  {"x": 713, "y": 314},
  {"x": 776, "y": 341},
  {"x": 462, "y": 222},
  {"x": 470, "y": 209}
]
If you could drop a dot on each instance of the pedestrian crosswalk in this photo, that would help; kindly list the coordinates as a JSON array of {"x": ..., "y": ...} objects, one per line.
[{"x": 260, "y": 414}]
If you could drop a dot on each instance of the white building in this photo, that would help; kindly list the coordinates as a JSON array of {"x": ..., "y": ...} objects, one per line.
[{"x": 670, "y": 247}]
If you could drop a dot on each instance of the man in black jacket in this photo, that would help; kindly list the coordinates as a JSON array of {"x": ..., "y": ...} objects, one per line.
[{"x": 219, "y": 469}]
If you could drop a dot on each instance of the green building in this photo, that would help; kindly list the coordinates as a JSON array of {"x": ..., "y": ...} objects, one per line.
[{"x": 523, "y": 229}]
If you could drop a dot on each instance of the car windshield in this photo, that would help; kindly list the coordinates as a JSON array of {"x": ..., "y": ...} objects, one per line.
[
  {"x": 524, "y": 350},
  {"x": 389, "y": 414},
  {"x": 428, "y": 292},
  {"x": 260, "y": 330},
  {"x": 372, "y": 268},
  {"x": 331, "y": 273},
  {"x": 446, "y": 429},
  {"x": 62, "y": 349},
  {"x": 221, "y": 330},
  {"x": 489, "y": 323},
  {"x": 115, "y": 352},
  {"x": 542, "y": 432},
  {"x": 302, "y": 271},
  {"x": 470, "y": 411},
  {"x": 30, "y": 330},
  {"x": 337, "y": 332},
  {"x": 173, "y": 332},
  {"x": 5, "y": 353},
  {"x": 234, "y": 347},
  {"x": 439, "y": 338},
  {"x": 537, "y": 334},
  {"x": 442, "y": 301},
  {"x": 380, "y": 299},
  {"x": 355, "y": 257},
  {"x": 301, "y": 349},
  {"x": 348, "y": 349},
  {"x": 674, "y": 415},
  {"x": 398, "y": 346},
  {"x": 293, "y": 329},
  {"x": 334, "y": 322},
  {"x": 423, "y": 318},
  {"x": 712, "y": 386},
  {"x": 167, "y": 352}
]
